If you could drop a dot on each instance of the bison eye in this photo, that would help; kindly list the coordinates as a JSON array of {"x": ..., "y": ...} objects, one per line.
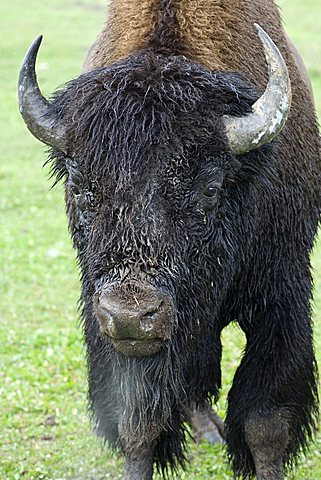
[
  {"x": 73, "y": 188},
  {"x": 210, "y": 190}
]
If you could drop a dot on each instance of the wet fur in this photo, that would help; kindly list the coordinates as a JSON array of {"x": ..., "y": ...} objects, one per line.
[
  {"x": 145, "y": 135},
  {"x": 153, "y": 124}
]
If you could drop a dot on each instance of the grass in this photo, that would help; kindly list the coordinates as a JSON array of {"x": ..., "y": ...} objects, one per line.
[{"x": 45, "y": 433}]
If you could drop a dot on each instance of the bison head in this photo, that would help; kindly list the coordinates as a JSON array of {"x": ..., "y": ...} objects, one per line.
[{"x": 156, "y": 153}]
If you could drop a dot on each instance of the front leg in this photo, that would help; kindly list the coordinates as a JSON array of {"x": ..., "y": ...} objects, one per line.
[
  {"x": 139, "y": 466},
  {"x": 268, "y": 437},
  {"x": 273, "y": 400}
]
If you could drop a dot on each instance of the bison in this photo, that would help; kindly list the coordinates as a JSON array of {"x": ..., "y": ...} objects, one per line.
[{"x": 193, "y": 197}]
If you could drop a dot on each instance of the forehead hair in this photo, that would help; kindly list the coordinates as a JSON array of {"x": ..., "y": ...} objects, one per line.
[{"x": 126, "y": 118}]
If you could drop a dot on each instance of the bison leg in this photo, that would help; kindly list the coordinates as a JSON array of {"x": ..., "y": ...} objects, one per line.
[
  {"x": 274, "y": 396},
  {"x": 207, "y": 425},
  {"x": 138, "y": 467},
  {"x": 267, "y": 438}
]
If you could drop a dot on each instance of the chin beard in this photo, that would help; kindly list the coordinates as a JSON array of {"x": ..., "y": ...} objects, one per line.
[{"x": 150, "y": 390}]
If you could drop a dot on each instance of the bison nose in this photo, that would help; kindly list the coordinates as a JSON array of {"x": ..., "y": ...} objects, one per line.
[{"x": 143, "y": 315}]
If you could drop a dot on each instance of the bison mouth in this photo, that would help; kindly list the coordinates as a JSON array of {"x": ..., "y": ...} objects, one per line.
[{"x": 138, "y": 348}]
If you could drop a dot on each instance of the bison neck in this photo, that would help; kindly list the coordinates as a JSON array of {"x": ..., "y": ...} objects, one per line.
[{"x": 219, "y": 34}]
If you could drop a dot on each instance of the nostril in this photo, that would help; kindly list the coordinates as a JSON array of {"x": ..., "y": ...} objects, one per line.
[
  {"x": 147, "y": 321},
  {"x": 110, "y": 323},
  {"x": 105, "y": 316},
  {"x": 150, "y": 315},
  {"x": 146, "y": 324},
  {"x": 107, "y": 323}
]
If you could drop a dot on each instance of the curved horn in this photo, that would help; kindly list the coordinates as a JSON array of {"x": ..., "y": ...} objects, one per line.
[
  {"x": 269, "y": 112},
  {"x": 34, "y": 108}
]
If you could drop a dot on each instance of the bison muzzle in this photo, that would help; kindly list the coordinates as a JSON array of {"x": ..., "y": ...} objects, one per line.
[{"x": 138, "y": 318}]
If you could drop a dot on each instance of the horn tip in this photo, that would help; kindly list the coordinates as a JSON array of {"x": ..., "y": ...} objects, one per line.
[
  {"x": 264, "y": 37},
  {"x": 31, "y": 55},
  {"x": 35, "y": 45},
  {"x": 37, "y": 41},
  {"x": 261, "y": 32}
]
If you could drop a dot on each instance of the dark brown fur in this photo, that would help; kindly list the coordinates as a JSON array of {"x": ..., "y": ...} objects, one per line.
[{"x": 220, "y": 35}]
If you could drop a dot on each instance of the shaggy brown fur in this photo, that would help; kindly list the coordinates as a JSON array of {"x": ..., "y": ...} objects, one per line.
[
  {"x": 128, "y": 28},
  {"x": 219, "y": 34}
]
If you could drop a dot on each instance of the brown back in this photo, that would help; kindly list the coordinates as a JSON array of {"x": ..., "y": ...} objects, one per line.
[{"x": 219, "y": 34}]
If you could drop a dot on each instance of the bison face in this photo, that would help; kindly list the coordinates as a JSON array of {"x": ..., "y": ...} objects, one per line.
[
  {"x": 150, "y": 152},
  {"x": 149, "y": 241},
  {"x": 152, "y": 191},
  {"x": 146, "y": 208}
]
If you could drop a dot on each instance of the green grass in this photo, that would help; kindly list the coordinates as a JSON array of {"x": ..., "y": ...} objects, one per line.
[{"x": 44, "y": 430}]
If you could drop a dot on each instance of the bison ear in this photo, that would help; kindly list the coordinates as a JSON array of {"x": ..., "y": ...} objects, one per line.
[
  {"x": 36, "y": 110},
  {"x": 269, "y": 112}
]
